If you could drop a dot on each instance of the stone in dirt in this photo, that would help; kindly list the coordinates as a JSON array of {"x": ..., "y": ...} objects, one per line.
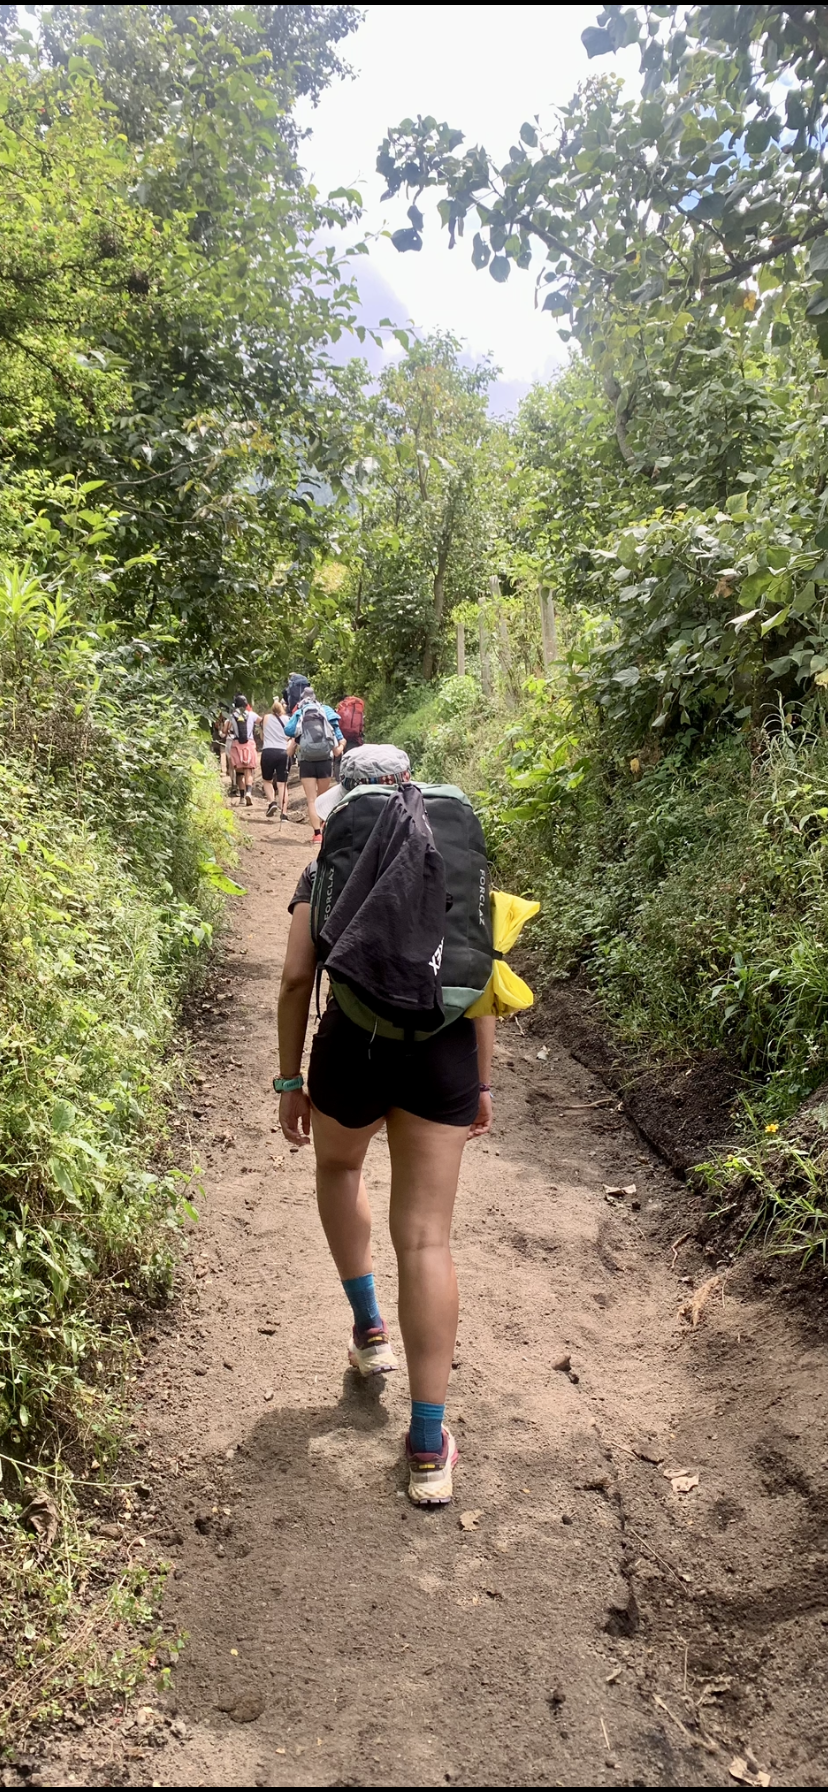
[{"x": 243, "y": 1707}]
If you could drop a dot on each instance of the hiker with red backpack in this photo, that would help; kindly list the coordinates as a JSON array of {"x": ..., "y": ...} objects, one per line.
[
  {"x": 351, "y": 713},
  {"x": 397, "y": 910},
  {"x": 315, "y": 736}
]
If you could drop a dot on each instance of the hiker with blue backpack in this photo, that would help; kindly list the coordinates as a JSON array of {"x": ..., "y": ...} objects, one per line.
[
  {"x": 315, "y": 736},
  {"x": 398, "y": 911}
]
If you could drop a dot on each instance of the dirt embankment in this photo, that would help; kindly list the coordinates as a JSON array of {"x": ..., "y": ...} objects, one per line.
[{"x": 631, "y": 1586}]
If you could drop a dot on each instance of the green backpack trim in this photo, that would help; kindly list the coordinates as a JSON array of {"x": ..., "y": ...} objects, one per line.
[{"x": 455, "y": 1003}]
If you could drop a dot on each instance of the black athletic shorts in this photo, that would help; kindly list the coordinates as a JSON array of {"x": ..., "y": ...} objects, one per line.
[
  {"x": 274, "y": 765},
  {"x": 316, "y": 768},
  {"x": 356, "y": 1079}
]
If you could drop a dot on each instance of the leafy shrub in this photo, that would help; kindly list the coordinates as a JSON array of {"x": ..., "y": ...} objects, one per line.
[
  {"x": 440, "y": 732},
  {"x": 694, "y": 890},
  {"x": 111, "y": 846}
]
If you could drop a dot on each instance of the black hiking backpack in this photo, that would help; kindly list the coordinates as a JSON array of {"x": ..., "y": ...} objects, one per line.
[
  {"x": 467, "y": 954},
  {"x": 241, "y": 725},
  {"x": 296, "y": 684}
]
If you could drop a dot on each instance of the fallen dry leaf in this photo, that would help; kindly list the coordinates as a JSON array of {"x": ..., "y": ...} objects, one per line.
[
  {"x": 42, "y": 1516},
  {"x": 694, "y": 1307},
  {"x": 684, "y": 1483},
  {"x": 620, "y": 1189},
  {"x": 740, "y": 1771},
  {"x": 468, "y": 1520}
]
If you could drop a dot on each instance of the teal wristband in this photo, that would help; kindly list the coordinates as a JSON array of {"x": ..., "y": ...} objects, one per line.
[{"x": 282, "y": 1084}]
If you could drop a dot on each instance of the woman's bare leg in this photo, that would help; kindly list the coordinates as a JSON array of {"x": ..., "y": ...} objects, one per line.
[
  {"x": 425, "y": 1165},
  {"x": 341, "y": 1194},
  {"x": 310, "y": 787},
  {"x": 268, "y": 790}
]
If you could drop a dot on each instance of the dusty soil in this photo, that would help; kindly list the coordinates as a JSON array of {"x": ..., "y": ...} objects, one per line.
[
  {"x": 685, "y": 1108},
  {"x": 631, "y": 1586}
]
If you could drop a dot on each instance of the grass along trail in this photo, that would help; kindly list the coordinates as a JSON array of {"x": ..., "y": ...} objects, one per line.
[{"x": 631, "y": 1585}]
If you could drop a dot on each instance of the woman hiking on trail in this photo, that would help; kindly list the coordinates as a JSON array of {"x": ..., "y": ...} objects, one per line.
[
  {"x": 243, "y": 755},
  {"x": 315, "y": 736},
  {"x": 274, "y": 760},
  {"x": 432, "y": 1095}
]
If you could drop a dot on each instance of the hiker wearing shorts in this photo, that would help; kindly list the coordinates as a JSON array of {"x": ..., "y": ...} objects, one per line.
[
  {"x": 431, "y": 1090},
  {"x": 243, "y": 755},
  {"x": 315, "y": 736},
  {"x": 274, "y": 760}
]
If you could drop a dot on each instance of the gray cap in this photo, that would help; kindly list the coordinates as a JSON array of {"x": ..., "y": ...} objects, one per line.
[{"x": 374, "y": 765}]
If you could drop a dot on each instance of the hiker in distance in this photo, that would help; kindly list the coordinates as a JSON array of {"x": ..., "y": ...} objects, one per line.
[
  {"x": 274, "y": 760},
  {"x": 315, "y": 736},
  {"x": 396, "y": 909},
  {"x": 243, "y": 755}
]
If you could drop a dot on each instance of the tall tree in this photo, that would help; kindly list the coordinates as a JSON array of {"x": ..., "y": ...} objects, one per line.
[
  {"x": 166, "y": 305},
  {"x": 423, "y": 531}
]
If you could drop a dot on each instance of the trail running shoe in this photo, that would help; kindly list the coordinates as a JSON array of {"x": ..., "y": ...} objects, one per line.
[
  {"x": 272, "y": 809},
  {"x": 370, "y": 1351},
  {"x": 248, "y": 799},
  {"x": 429, "y": 1476}
]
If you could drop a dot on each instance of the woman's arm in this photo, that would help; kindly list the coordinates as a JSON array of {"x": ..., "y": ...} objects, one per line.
[
  {"x": 485, "y": 1030},
  {"x": 295, "y": 992}
]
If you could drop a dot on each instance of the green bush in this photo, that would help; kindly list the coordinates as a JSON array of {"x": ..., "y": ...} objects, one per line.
[
  {"x": 694, "y": 890},
  {"x": 112, "y": 839},
  {"x": 439, "y": 728}
]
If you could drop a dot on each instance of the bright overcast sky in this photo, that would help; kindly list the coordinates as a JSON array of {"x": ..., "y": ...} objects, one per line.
[{"x": 483, "y": 69}]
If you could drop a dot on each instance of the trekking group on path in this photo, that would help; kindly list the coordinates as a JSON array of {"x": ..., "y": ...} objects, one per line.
[
  {"x": 296, "y": 726},
  {"x": 398, "y": 911}
]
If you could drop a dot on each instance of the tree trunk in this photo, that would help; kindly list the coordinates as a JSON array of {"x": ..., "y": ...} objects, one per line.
[
  {"x": 461, "y": 650},
  {"x": 438, "y": 606},
  {"x": 549, "y": 633}
]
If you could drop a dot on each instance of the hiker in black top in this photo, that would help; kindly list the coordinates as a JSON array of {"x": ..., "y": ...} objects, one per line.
[{"x": 432, "y": 1094}]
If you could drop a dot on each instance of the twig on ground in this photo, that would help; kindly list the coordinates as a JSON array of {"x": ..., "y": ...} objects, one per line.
[
  {"x": 656, "y": 1557},
  {"x": 701, "y": 1741},
  {"x": 677, "y": 1245}
]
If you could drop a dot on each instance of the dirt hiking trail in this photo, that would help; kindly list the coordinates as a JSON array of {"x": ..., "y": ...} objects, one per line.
[{"x": 630, "y": 1587}]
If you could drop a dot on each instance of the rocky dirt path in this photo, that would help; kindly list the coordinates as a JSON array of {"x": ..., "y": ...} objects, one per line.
[{"x": 631, "y": 1586}]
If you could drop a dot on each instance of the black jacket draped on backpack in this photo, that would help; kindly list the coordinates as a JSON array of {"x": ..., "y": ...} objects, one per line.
[{"x": 384, "y": 935}]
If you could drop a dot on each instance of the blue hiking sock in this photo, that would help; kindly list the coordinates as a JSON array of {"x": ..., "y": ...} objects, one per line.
[
  {"x": 426, "y": 1432},
  {"x": 363, "y": 1298}
]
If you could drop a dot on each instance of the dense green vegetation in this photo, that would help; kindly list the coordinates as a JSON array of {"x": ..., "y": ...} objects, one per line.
[
  {"x": 660, "y": 776},
  {"x": 168, "y": 299}
]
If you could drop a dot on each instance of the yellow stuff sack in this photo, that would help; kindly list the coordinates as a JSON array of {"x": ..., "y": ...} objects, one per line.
[{"x": 505, "y": 993}]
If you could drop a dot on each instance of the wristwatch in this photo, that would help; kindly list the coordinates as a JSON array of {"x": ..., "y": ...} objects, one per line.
[{"x": 283, "y": 1084}]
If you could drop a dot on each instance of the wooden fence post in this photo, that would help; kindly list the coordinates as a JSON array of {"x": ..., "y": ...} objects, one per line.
[
  {"x": 485, "y": 669},
  {"x": 461, "y": 650}
]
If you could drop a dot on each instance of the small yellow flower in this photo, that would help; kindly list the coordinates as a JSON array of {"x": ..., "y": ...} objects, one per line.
[{"x": 773, "y": 1127}]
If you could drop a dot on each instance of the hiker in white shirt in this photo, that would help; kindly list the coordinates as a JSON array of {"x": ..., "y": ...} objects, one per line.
[{"x": 274, "y": 761}]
